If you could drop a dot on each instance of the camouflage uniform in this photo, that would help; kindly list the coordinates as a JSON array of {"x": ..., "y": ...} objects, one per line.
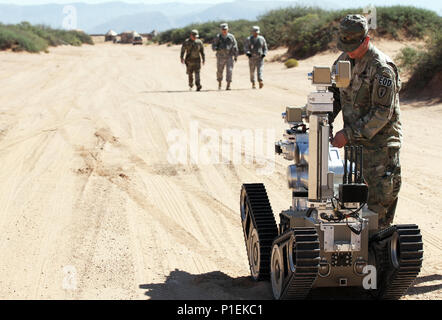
[
  {"x": 256, "y": 50},
  {"x": 194, "y": 51},
  {"x": 370, "y": 109},
  {"x": 226, "y": 52}
]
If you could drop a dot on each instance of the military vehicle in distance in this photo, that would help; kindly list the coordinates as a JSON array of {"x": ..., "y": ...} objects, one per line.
[
  {"x": 327, "y": 238},
  {"x": 137, "y": 39},
  {"x": 127, "y": 37},
  {"x": 111, "y": 35}
]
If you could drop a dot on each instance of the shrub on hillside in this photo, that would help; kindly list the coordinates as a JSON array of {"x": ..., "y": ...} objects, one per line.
[
  {"x": 405, "y": 21},
  {"x": 426, "y": 71},
  {"x": 408, "y": 58},
  {"x": 26, "y": 37},
  {"x": 18, "y": 39},
  {"x": 311, "y": 34},
  {"x": 208, "y": 31},
  {"x": 309, "y": 30}
]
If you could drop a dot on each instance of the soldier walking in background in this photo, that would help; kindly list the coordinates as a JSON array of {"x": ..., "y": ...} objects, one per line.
[
  {"x": 370, "y": 108},
  {"x": 193, "y": 48},
  {"x": 226, "y": 49},
  {"x": 255, "y": 48}
]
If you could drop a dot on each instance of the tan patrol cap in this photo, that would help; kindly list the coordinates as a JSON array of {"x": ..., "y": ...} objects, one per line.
[
  {"x": 224, "y": 26},
  {"x": 195, "y": 33}
]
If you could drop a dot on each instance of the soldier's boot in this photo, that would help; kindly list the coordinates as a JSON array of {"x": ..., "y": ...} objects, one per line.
[
  {"x": 261, "y": 84},
  {"x": 198, "y": 87},
  {"x": 220, "y": 85},
  {"x": 253, "y": 85},
  {"x": 228, "y": 86}
]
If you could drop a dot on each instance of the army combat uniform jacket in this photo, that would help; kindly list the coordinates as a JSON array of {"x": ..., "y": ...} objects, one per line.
[
  {"x": 194, "y": 51},
  {"x": 225, "y": 46},
  {"x": 370, "y": 109},
  {"x": 255, "y": 46},
  {"x": 256, "y": 50},
  {"x": 370, "y": 104},
  {"x": 226, "y": 51}
]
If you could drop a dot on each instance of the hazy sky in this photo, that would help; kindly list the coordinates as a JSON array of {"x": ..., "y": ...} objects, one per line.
[
  {"x": 21, "y": 2},
  {"x": 358, "y": 3},
  {"x": 434, "y": 5}
]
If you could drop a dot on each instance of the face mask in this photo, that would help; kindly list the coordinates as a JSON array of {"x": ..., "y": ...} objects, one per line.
[{"x": 361, "y": 50}]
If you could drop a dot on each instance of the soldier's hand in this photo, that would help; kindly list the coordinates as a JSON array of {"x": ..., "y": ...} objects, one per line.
[
  {"x": 340, "y": 140},
  {"x": 182, "y": 61},
  {"x": 236, "y": 59}
]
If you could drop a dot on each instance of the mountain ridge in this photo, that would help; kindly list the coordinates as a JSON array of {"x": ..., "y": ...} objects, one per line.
[{"x": 99, "y": 18}]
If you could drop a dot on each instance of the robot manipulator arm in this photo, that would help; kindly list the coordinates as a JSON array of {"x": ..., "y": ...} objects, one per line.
[{"x": 294, "y": 116}]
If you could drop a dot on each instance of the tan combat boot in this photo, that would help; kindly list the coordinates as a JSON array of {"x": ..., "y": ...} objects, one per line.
[
  {"x": 253, "y": 85},
  {"x": 261, "y": 84},
  {"x": 219, "y": 85},
  {"x": 228, "y": 86}
]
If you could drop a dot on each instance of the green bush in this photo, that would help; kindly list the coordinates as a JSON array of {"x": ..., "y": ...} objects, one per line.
[
  {"x": 408, "y": 58},
  {"x": 311, "y": 36},
  {"x": 291, "y": 63},
  {"x": 275, "y": 24},
  {"x": 208, "y": 31},
  {"x": 405, "y": 21},
  {"x": 26, "y": 37},
  {"x": 19, "y": 39},
  {"x": 427, "y": 66}
]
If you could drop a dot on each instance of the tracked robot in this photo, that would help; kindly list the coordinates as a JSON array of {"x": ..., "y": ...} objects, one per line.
[{"x": 328, "y": 237}]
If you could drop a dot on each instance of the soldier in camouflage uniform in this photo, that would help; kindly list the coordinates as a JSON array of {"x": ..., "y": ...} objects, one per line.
[
  {"x": 255, "y": 48},
  {"x": 370, "y": 108},
  {"x": 226, "y": 49},
  {"x": 193, "y": 48}
]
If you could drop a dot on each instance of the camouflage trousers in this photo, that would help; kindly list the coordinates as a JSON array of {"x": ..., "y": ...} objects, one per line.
[
  {"x": 382, "y": 172},
  {"x": 224, "y": 62},
  {"x": 194, "y": 67},
  {"x": 256, "y": 65}
]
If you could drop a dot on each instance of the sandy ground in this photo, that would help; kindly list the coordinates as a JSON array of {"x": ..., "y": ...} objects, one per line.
[{"x": 91, "y": 207}]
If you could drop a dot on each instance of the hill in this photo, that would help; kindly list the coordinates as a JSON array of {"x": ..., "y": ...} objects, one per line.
[
  {"x": 96, "y": 18},
  {"x": 142, "y": 22},
  {"x": 306, "y": 31}
]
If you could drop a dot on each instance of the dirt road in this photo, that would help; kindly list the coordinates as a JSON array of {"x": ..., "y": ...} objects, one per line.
[{"x": 93, "y": 207}]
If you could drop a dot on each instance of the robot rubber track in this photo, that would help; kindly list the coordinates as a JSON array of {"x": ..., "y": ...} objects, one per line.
[
  {"x": 295, "y": 263},
  {"x": 299, "y": 247},
  {"x": 259, "y": 228},
  {"x": 398, "y": 251}
]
